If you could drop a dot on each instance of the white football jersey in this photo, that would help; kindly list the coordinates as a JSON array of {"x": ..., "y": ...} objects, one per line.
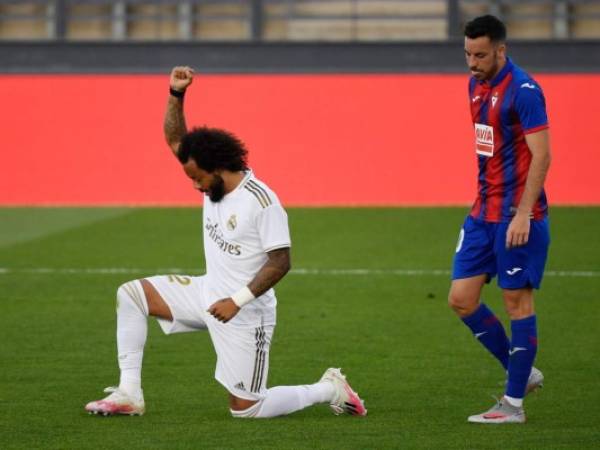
[{"x": 239, "y": 230}]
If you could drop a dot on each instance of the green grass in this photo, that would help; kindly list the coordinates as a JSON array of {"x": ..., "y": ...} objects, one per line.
[{"x": 416, "y": 365}]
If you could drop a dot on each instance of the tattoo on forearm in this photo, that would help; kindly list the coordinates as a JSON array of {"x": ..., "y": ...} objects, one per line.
[
  {"x": 174, "y": 124},
  {"x": 273, "y": 271}
]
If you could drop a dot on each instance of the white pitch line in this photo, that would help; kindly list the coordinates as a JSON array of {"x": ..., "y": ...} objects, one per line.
[{"x": 339, "y": 272}]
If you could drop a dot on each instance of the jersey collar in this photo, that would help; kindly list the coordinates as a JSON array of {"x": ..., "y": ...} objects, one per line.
[
  {"x": 247, "y": 176},
  {"x": 241, "y": 184}
]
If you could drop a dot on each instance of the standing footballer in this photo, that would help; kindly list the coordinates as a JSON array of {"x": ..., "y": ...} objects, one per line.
[
  {"x": 506, "y": 234},
  {"x": 247, "y": 251}
]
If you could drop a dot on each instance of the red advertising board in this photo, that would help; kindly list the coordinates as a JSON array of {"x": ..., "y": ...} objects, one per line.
[{"x": 315, "y": 139}]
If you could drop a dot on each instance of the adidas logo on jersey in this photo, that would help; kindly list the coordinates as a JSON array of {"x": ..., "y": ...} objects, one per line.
[{"x": 240, "y": 386}]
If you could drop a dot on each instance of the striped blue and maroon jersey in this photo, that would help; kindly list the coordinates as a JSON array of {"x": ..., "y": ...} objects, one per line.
[{"x": 504, "y": 110}]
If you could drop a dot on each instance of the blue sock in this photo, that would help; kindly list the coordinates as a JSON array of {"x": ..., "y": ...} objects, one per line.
[
  {"x": 524, "y": 348},
  {"x": 487, "y": 328}
]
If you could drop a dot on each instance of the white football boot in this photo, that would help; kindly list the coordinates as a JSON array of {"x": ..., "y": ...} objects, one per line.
[
  {"x": 535, "y": 380},
  {"x": 345, "y": 400},
  {"x": 501, "y": 412},
  {"x": 118, "y": 402}
]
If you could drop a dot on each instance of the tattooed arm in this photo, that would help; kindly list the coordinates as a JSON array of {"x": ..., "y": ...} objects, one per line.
[
  {"x": 273, "y": 270},
  {"x": 174, "y": 124}
]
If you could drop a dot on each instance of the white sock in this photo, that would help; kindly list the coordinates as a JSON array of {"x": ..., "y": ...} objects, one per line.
[
  {"x": 132, "y": 330},
  {"x": 516, "y": 402},
  {"x": 282, "y": 400}
]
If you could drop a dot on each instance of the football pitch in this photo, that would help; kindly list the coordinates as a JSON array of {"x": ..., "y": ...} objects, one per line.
[{"x": 367, "y": 293}]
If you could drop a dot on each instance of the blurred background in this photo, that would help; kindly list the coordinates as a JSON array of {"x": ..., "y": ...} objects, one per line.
[
  {"x": 290, "y": 20},
  {"x": 341, "y": 102}
]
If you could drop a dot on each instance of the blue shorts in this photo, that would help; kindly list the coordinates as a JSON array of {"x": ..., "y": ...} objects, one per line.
[{"x": 481, "y": 249}]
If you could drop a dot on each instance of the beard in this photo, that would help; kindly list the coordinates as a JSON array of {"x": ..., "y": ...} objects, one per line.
[
  {"x": 216, "y": 191},
  {"x": 490, "y": 74}
]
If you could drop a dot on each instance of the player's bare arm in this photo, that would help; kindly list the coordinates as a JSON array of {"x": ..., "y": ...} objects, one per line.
[
  {"x": 539, "y": 145},
  {"x": 278, "y": 264},
  {"x": 174, "y": 124}
]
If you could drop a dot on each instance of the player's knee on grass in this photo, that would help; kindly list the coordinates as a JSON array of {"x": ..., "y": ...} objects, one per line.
[{"x": 248, "y": 413}]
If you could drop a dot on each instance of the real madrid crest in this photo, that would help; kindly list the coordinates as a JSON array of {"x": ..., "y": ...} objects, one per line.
[{"x": 232, "y": 223}]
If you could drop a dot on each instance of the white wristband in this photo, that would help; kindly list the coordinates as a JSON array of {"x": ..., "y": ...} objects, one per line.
[{"x": 243, "y": 296}]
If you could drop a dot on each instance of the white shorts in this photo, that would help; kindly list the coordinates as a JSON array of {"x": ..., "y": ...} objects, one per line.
[{"x": 242, "y": 352}]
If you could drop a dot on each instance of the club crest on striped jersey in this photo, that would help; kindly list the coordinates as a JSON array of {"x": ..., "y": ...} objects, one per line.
[
  {"x": 494, "y": 99},
  {"x": 484, "y": 139},
  {"x": 232, "y": 222}
]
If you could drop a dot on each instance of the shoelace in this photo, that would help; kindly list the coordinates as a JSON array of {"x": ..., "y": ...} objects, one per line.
[{"x": 498, "y": 404}]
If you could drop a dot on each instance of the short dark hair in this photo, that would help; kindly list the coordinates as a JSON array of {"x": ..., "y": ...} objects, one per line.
[
  {"x": 213, "y": 149},
  {"x": 487, "y": 25}
]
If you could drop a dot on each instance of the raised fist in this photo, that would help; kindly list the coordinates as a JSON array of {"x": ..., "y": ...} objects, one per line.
[{"x": 181, "y": 78}]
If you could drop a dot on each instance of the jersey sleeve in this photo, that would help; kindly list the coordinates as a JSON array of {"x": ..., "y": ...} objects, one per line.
[
  {"x": 272, "y": 223},
  {"x": 531, "y": 107}
]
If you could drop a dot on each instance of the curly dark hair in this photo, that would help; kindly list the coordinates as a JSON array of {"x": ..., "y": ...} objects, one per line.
[
  {"x": 487, "y": 25},
  {"x": 213, "y": 149}
]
